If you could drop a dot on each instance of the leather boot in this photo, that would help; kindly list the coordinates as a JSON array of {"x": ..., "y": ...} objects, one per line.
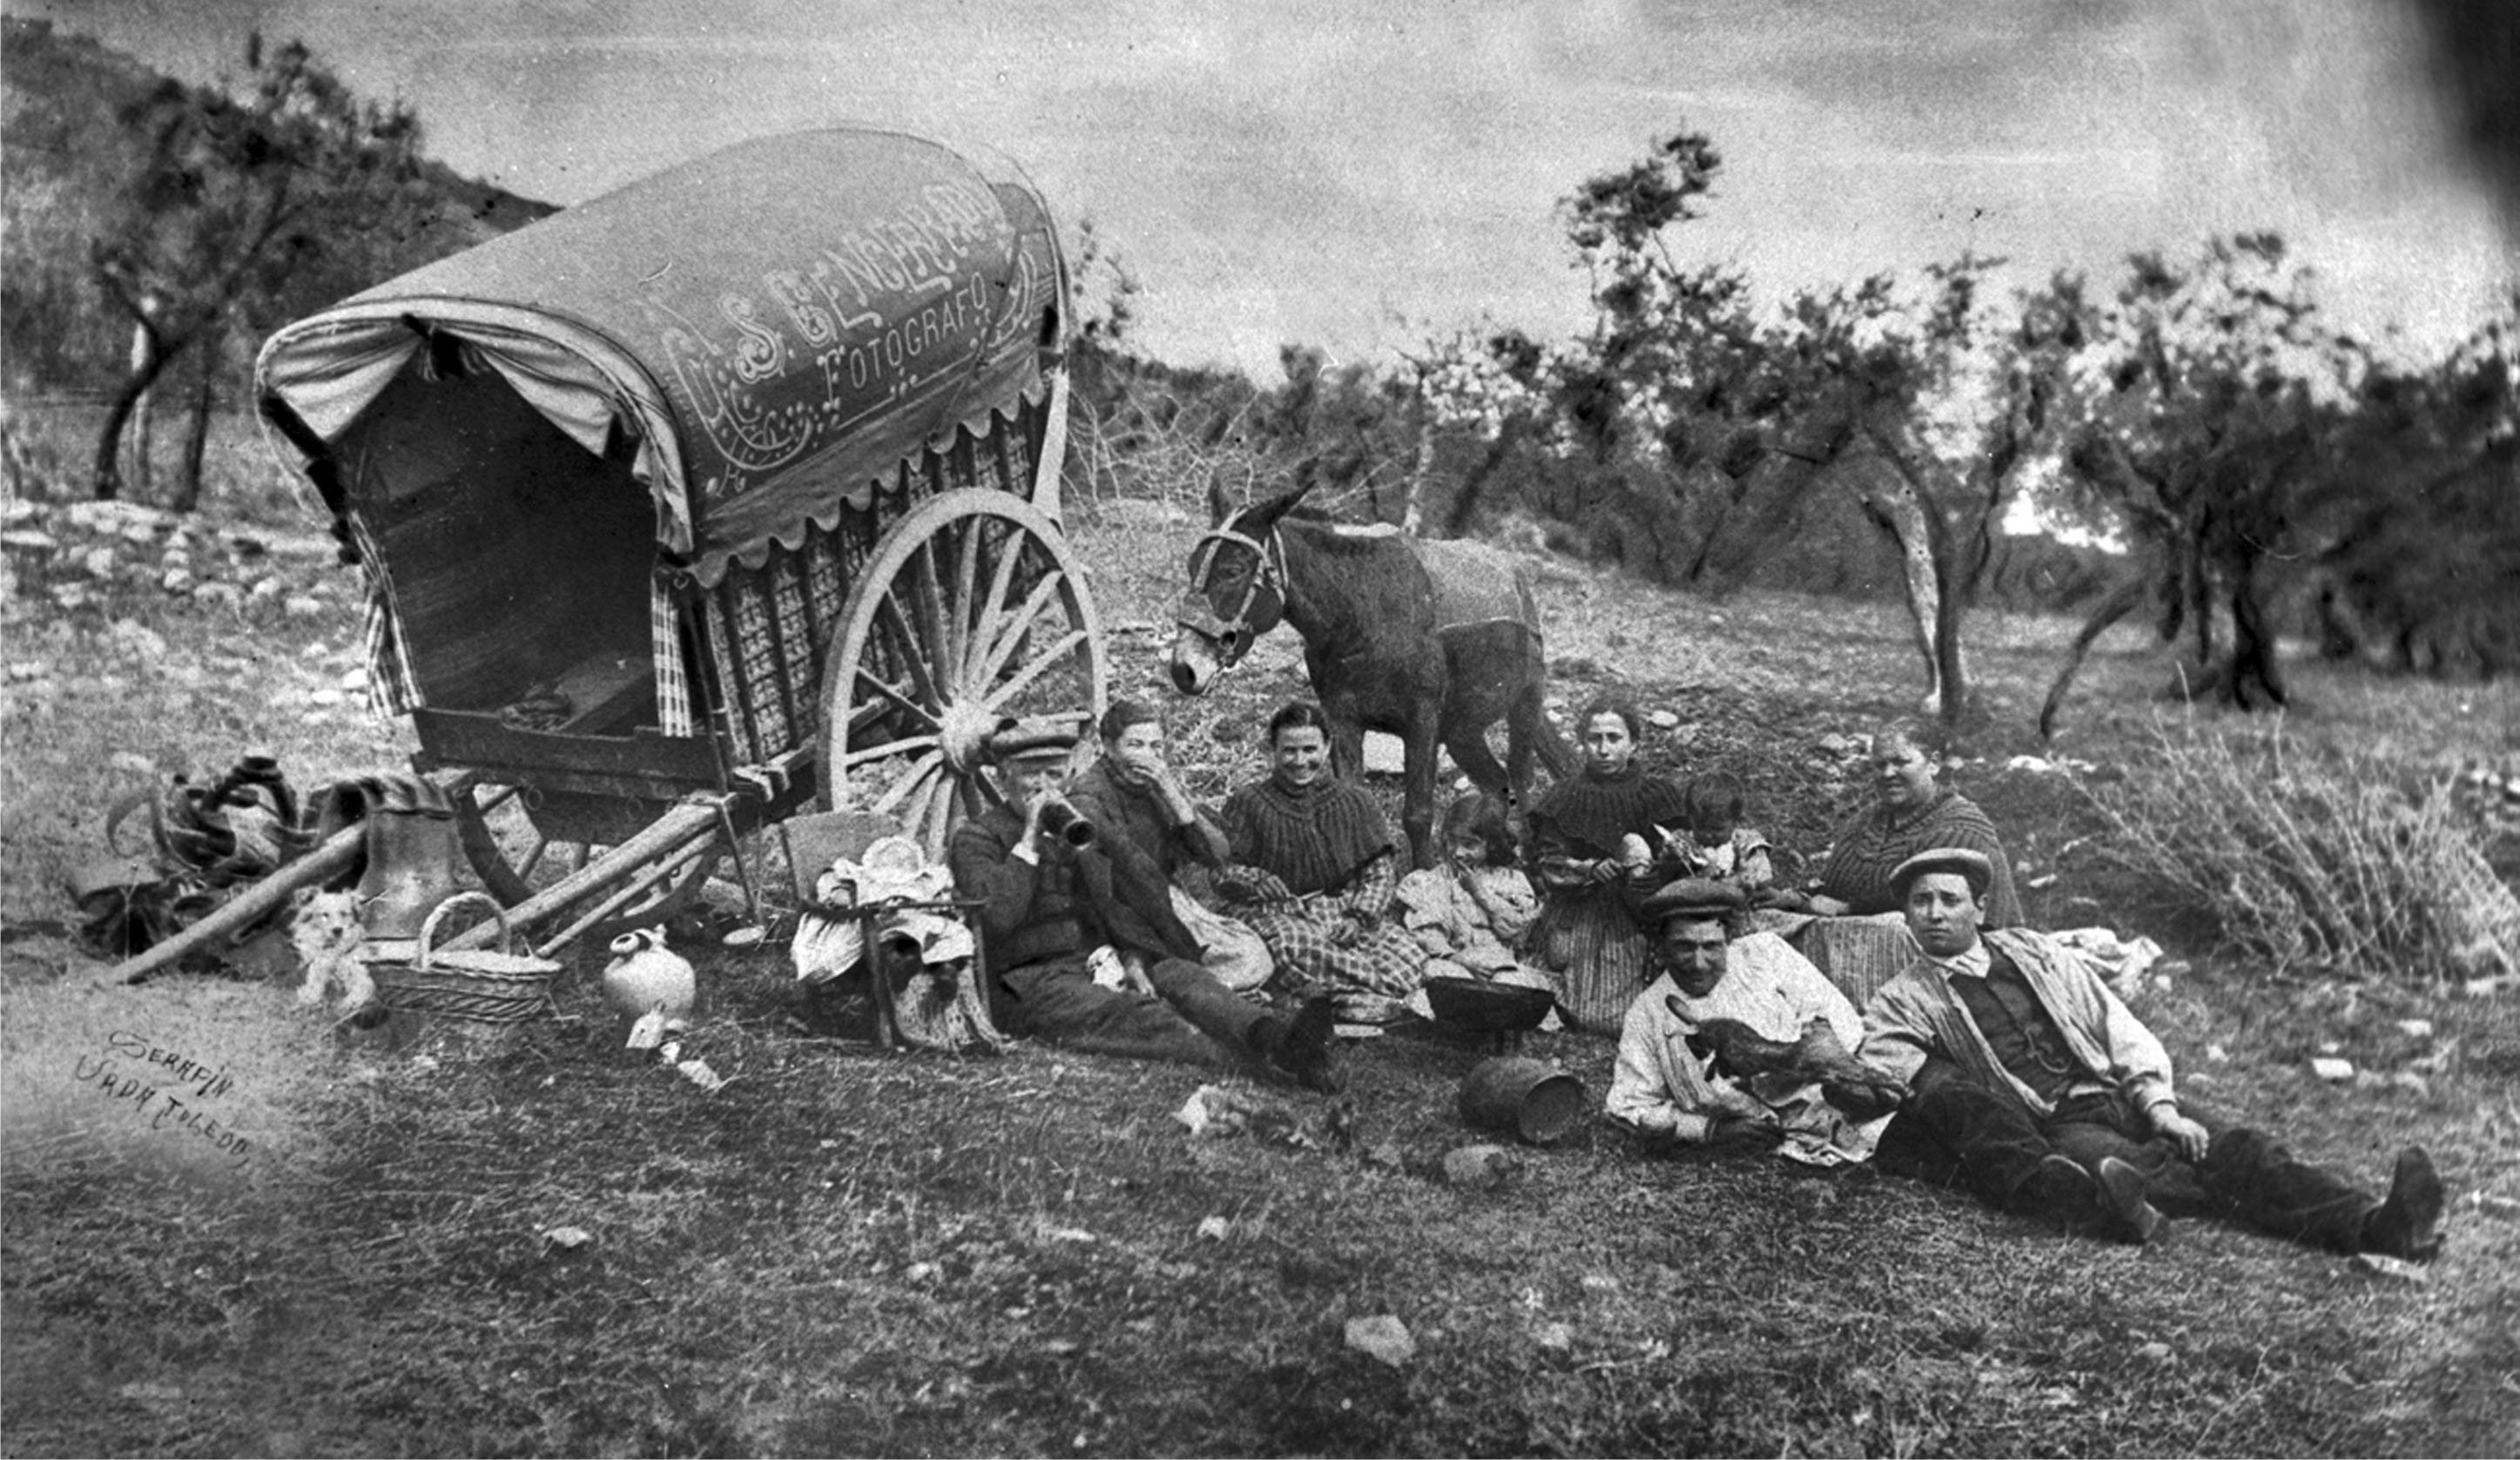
[
  {"x": 2059, "y": 1190},
  {"x": 2408, "y": 1224},
  {"x": 2128, "y": 1215},
  {"x": 1299, "y": 1047}
]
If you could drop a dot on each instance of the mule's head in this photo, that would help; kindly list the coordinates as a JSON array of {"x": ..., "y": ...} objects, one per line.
[{"x": 1237, "y": 589}]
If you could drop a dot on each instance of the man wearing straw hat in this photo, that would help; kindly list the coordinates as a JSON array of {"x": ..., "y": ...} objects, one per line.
[
  {"x": 1729, "y": 1043},
  {"x": 1056, "y": 893},
  {"x": 2031, "y": 1084}
]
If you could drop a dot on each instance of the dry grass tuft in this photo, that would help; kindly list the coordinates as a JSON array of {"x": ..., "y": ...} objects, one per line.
[{"x": 2312, "y": 859}]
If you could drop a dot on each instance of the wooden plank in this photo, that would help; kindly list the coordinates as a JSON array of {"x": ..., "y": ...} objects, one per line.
[
  {"x": 641, "y": 764},
  {"x": 689, "y": 821},
  {"x": 325, "y": 861}
]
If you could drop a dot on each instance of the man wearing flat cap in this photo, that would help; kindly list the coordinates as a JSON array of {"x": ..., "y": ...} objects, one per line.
[
  {"x": 1056, "y": 891},
  {"x": 2031, "y": 1084},
  {"x": 1131, "y": 790},
  {"x": 1729, "y": 1043}
]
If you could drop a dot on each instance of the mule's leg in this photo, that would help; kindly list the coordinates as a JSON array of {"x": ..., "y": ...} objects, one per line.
[
  {"x": 1470, "y": 752},
  {"x": 1417, "y": 798},
  {"x": 1347, "y": 738},
  {"x": 1531, "y": 734}
]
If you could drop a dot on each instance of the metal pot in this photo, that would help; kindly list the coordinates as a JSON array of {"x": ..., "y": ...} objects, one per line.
[{"x": 1531, "y": 1099}]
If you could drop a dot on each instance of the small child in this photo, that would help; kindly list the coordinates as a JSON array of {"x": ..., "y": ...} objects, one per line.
[
  {"x": 1711, "y": 843},
  {"x": 1475, "y": 908}
]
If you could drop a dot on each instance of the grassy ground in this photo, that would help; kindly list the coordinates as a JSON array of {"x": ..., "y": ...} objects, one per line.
[{"x": 840, "y": 1253}]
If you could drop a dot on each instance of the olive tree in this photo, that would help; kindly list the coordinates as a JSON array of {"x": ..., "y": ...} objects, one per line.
[{"x": 232, "y": 196}]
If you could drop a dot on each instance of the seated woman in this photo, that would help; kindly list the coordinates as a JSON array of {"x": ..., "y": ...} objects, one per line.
[
  {"x": 1861, "y": 938},
  {"x": 1314, "y": 866},
  {"x": 1472, "y": 913},
  {"x": 1588, "y": 938},
  {"x": 1915, "y": 814}
]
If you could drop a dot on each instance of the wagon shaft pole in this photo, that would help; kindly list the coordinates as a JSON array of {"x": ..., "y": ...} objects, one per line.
[
  {"x": 325, "y": 861},
  {"x": 670, "y": 841}
]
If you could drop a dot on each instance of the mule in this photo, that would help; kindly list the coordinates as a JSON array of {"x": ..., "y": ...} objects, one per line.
[{"x": 1431, "y": 641}]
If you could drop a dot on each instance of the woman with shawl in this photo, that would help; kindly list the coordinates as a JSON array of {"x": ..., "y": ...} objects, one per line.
[
  {"x": 1588, "y": 938},
  {"x": 1861, "y": 939},
  {"x": 1314, "y": 868},
  {"x": 1915, "y": 814}
]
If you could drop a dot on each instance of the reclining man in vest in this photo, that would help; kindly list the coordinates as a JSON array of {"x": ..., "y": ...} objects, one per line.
[
  {"x": 1730, "y": 1045},
  {"x": 1057, "y": 892},
  {"x": 1131, "y": 790},
  {"x": 2034, "y": 1086}
]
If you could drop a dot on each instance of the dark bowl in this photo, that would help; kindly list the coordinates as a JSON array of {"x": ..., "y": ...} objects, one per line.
[{"x": 1488, "y": 1009}]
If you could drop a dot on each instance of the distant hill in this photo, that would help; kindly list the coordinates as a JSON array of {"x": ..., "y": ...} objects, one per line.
[{"x": 60, "y": 94}]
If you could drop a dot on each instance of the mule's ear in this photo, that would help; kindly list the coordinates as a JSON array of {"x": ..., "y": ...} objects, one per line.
[
  {"x": 1267, "y": 513},
  {"x": 1219, "y": 506}
]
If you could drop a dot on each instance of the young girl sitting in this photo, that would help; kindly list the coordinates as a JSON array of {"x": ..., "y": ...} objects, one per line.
[{"x": 1471, "y": 911}]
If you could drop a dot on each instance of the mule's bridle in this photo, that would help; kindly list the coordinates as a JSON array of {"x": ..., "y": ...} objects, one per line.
[{"x": 1234, "y": 631}]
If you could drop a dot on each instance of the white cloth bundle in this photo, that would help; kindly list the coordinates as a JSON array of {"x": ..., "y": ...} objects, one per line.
[{"x": 892, "y": 869}]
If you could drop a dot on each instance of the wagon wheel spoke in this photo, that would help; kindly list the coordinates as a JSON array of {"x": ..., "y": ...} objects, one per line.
[
  {"x": 927, "y": 599},
  {"x": 986, "y": 612},
  {"x": 940, "y": 816},
  {"x": 903, "y": 746},
  {"x": 1067, "y": 645},
  {"x": 967, "y": 577},
  {"x": 1010, "y": 636},
  {"x": 867, "y": 681},
  {"x": 911, "y": 780},
  {"x": 907, "y": 642},
  {"x": 890, "y": 641}
]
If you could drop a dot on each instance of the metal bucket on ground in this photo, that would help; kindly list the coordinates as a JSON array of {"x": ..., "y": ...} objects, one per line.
[{"x": 1528, "y": 1098}]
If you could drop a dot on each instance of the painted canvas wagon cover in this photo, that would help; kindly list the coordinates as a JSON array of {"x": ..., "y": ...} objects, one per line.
[{"x": 771, "y": 330}]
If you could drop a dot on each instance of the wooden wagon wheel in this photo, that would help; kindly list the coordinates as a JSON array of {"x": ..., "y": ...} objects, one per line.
[
  {"x": 520, "y": 841},
  {"x": 971, "y": 609}
]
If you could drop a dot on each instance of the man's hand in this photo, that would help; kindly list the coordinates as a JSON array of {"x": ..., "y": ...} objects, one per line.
[
  {"x": 1034, "y": 832},
  {"x": 2187, "y": 1135},
  {"x": 1734, "y": 1119},
  {"x": 1345, "y": 932},
  {"x": 1142, "y": 772},
  {"x": 1175, "y": 796},
  {"x": 1825, "y": 906},
  {"x": 1861, "y": 1093}
]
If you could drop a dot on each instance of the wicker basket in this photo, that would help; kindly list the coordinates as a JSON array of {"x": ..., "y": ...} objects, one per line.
[{"x": 476, "y": 987}]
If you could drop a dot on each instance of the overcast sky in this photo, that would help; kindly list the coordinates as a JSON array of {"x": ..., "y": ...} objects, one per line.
[{"x": 1359, "y": 176}]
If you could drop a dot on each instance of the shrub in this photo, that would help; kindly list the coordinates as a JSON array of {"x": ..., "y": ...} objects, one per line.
[{"x": 2318, "y": 859}]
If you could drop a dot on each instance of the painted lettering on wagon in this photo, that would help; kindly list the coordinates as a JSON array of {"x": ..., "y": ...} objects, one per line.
[
  {"x": 754, "y": 374},
  {"x": 165, "y": 1086}
]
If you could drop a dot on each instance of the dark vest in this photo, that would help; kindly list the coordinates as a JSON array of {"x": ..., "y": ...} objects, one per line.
[{"x": 2026, "y": 1041}]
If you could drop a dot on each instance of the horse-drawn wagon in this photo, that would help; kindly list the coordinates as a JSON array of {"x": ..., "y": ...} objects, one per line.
[{"x": 728, "y": 491}]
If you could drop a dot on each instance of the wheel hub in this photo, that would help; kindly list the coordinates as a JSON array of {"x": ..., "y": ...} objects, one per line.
[{"x": 964, "y": 732}]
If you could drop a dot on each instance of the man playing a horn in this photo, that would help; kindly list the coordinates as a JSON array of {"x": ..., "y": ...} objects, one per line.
[{"x": 1055, "y": 892}]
